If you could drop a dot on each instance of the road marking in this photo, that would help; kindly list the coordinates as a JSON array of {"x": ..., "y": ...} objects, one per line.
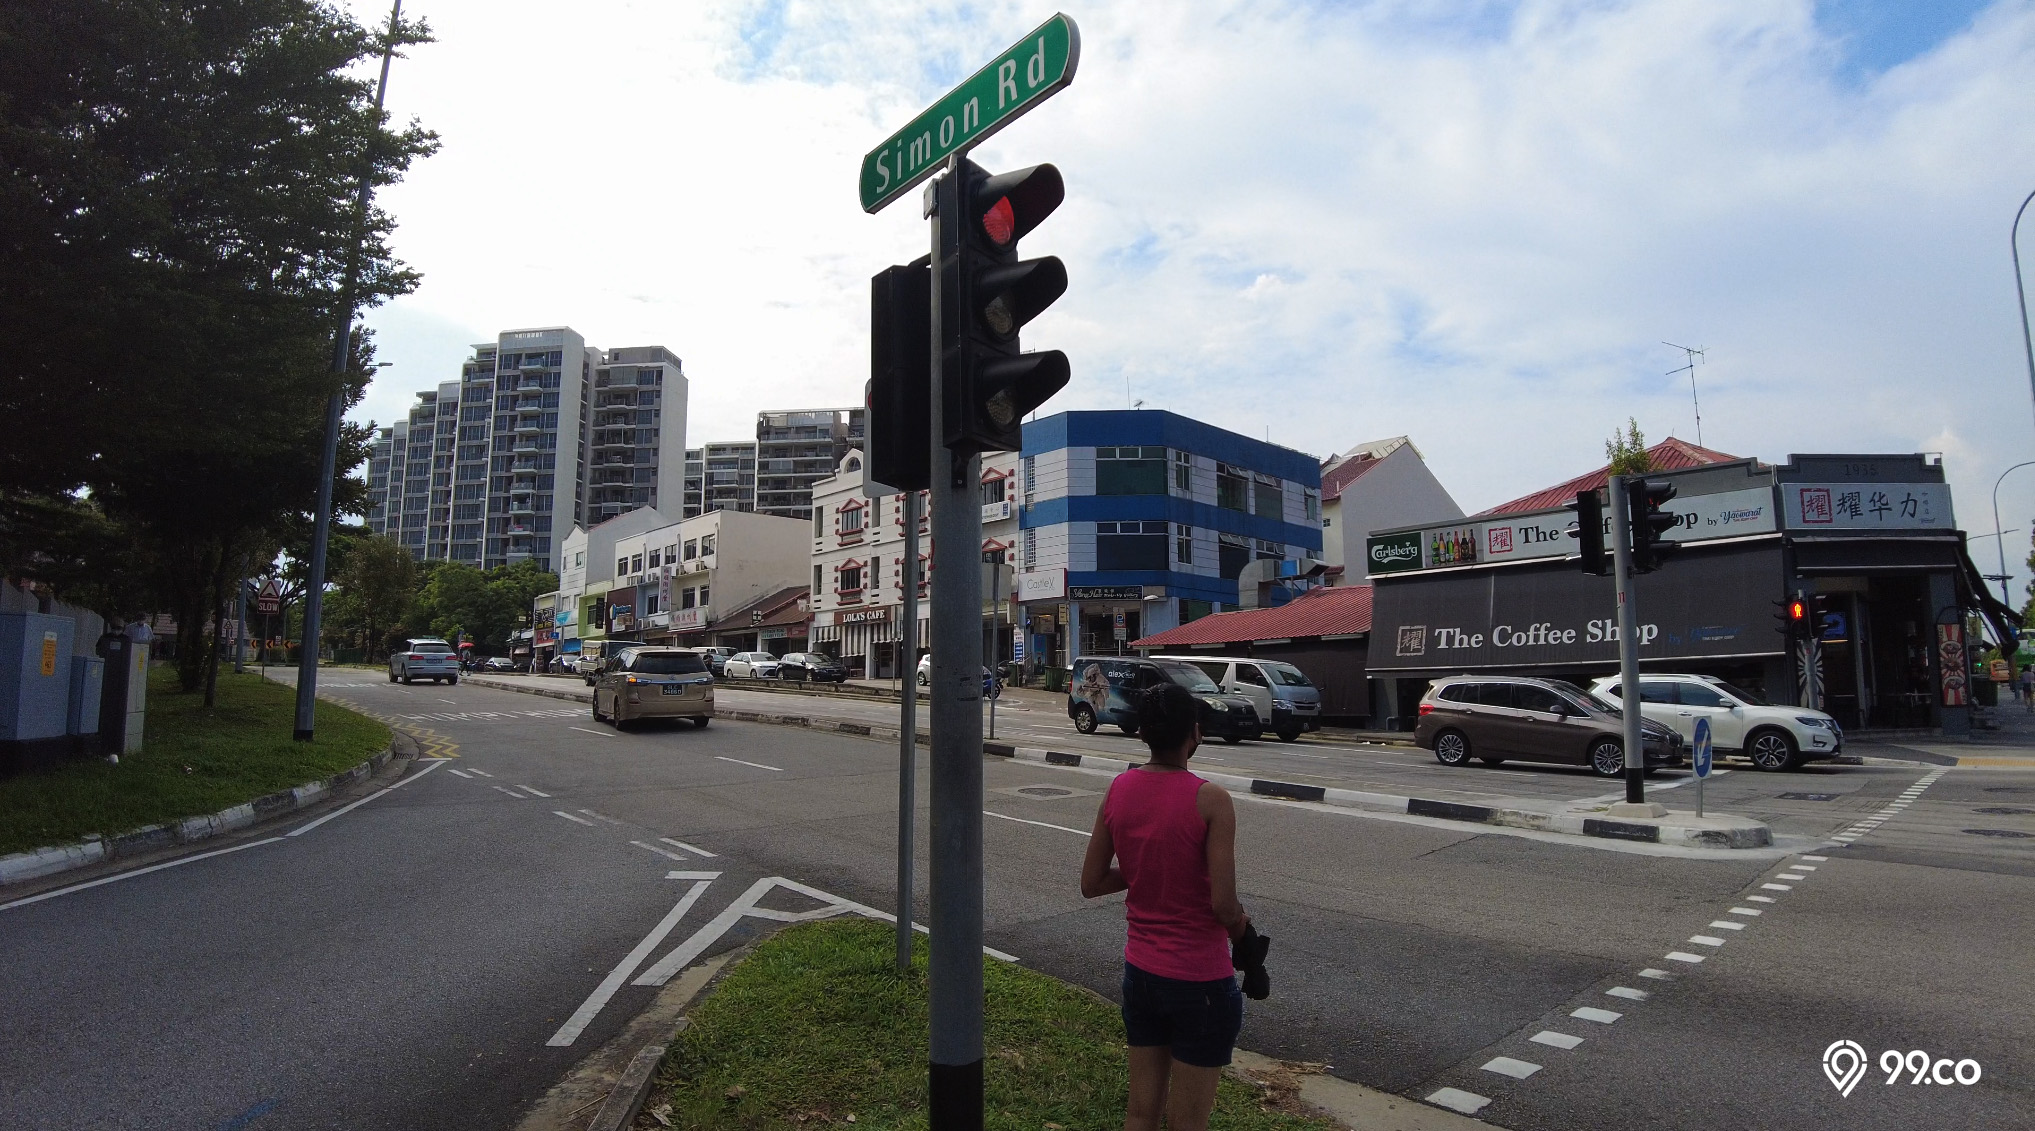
[
  {"x": 1626, "y": 992},
  {"x": 1455, "y": 1099},
  {"x": 1706, "y": 940},
  {"x": 1600, "y": 1016},
  {"x": 583, "y": 730},
  {"x": 687, "y": 847},
  {"x": 512, "y": 793},
  {"x": 1507, "y": 1066},
  {"x": 1803, "y": 868},
  {"x": 527, "y": 789},
  {"x": 136, "y": 872},
  {"x": 1726, "y": 925},
  {"x": 1683, "y": 956},
  {"x": 1316, "y": 757},
  {"x": 1753, "y": 911},
  {"x": 588, "y": 1009},
  {"x": 482, "y": 773},
  {"x": 1775, "y": 887},
  {"x": 570, "y": 817},
  {"x": 1041, "y": 824},
  {"x": 460, "y": 774},
  {"x": 1760, "y": 899},
  {"x": 1657, "y": 975},
  {"x": 758, "y": 765},
  {"x": 300, "y": 830},
  {"x": 445, "y": 700},
  {"x": 664, "y": 852},
  {"x": 1792, "y": 878},
  {"x": 1557, "y": 1040},
  {"x": 692, "y": 875},
  {"x": 600, "y": 816}
]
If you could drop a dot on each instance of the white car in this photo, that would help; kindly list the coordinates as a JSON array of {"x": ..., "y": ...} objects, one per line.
[
  {"x": 750, "y": 665},
  {"x": 424, "y": 657},
  {"x": 1773, "y": 737}
]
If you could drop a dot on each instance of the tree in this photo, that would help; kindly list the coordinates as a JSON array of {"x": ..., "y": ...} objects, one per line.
[
  {"x": 1627, "y": 450},
  {"x": 379, "y": 583}
]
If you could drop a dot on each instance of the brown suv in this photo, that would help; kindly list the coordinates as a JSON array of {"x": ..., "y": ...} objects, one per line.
[
  {"x": 1496, "y": 718},
  {"x": 647, "y": 682}
]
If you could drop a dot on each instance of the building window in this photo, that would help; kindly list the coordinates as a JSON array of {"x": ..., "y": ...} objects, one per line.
[
  {"x": 692, "y": 548},
  {"x": 1312, "y": 502},
  {"x": 1130, "y": 471},
  {"x": 621, "y": 566},
  {"x": 819, "y": 523},
  {"x": 1183, "y": 473},
  {"x": 1130, "y": 546},
  {"x": 851, "y": 518},
  {"x": 703, "y": 596},
  {"x": 1268, "y": 498},
  {"x": 848, "y": 579},
  {"x": 636, "y": 564},
  {"x": 650, "y": 603},
  {"x": 1031, "y": 475},
  {"x": 1183, "y": 544},
  {"x": 656, "y": 559},
  {"x": 993, "y": 554},
  {"x": 1232, "y": 488},
  {"x": 1273, "y": 550},
  {"x": 685, "y": 598},
  {"x": 706, "y": 545},
  {"x": 671, "y": 553},
  {"x": 1031, "y": 548},
  {"x": 993, "y": 490},
  {"x": 579, "y": 559},
  {"x": 1233, "y": 551},
  {"x": 816, "y": 579}
]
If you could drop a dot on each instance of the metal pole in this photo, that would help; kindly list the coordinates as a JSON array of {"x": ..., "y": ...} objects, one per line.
[
  {"x": 908, "y": 731},
  {"x": 954, "y": 977},
  {"x": 1628, "y": 641},
  {"x": 2020, "y": 293},
  {"x": 335, "y": 408},
  {"x": 1999, "y": 542},
  {"x": 995, "y": 632},
  {"x": 240, "y": 628}
]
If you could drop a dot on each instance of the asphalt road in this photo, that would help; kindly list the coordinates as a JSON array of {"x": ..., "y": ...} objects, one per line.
[{"x": 404, "y": 964}]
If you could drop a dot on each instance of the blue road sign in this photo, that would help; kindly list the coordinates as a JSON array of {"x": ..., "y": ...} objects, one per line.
[{"x": 1699, "y": 754}]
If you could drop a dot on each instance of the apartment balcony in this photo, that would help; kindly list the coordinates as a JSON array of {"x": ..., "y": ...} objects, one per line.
[
  {"x": 529, "y": 425},
  {"x": 521, "y": 507}
]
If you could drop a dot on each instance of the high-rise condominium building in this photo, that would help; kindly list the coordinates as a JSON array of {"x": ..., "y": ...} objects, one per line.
[
  {"x": 797, "y": 449},
  {"x": 720, "y": 477}
]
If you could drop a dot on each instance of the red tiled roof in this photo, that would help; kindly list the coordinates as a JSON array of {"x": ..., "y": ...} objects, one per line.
[
  {"x": 1668, "y": 455},
  {"x": 781, "y": 607},
  {"x": 1332, "y": 611},
  {"x": 1346, "y": 473}
]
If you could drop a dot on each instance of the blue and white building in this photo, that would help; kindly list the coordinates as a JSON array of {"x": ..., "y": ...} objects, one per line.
[{"x": 1135, "y": 522}]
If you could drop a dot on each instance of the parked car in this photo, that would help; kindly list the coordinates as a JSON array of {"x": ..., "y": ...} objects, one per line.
[
  {"x": 593, "y": 655},
  {"x": 716, "y": 658},
  {"x": 992, "y": 681},
  {"x": 499, "y": 664},
  {"x": 1287, "y": 702},
  {"x": 750, "y": 665},
  {"x": 1500, "y": 718},
  {"x": 1773, "y": 738},
  {"x": 648, "y": 682},
  {"x": 1105, "y": 690},
  {"x": 814, "y": 667},
  {"x": 424, "y": 657}
]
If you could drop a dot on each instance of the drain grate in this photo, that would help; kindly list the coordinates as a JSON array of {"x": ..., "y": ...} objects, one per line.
[
  {"x": 2001, "y": 832},
  {"x": 2004, "y": 811},
  {"x": 1810, "y": 796},
  {"x": 1044, "y": 791}
]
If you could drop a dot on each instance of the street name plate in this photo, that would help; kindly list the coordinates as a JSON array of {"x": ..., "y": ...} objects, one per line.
[{"x": 1023, "y": 76}]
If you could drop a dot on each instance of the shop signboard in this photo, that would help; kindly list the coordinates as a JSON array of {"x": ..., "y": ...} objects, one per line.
[
  {"x": 1726, "y": 514},
  {"x": 695, "y": 617},
  {"x": 867, "y": 616},
  {"x": 1541, "y": 536},
  {"x": 1042, "y": 585},
  {"x": 773, "y": 632},
  {"x": 1393, "y": 552},
  {"x": 1867, "y": 506},
  {"x": 1706, "y": 604},
  {"x": 1952, "y": 664},
  {"x": 1105, "y": 593}
]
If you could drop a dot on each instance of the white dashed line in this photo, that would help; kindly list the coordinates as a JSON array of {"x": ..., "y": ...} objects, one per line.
[
  {"x": 460, "y": 774},
  {"x": 1706, "y": 940},
  {"x": 527, "y": 789},
  {"x": 740, "y": 762},
  {"x": 1557, "y": 1040},
  {"x": 1753, "y": 911},
  {"x": 1041, "y": 824},
  {"x": 600, "y": 816},
  {"x": 666, "y": 853},
  {"x": 1683, "y": 956},
  {"x": 1455, "y": 1099},
  {"x": 1803, "y": 868},
  {"x": 1657, "y": 975},
  {"x": 1600, "y": 1016},
  {"x": 482, "y": 773},
  {"x": 570, "y": 817},
  {"x": 1760, "y": 898},
  {"x": 1775, "y": 887},
  {"x": 583, "y": 730},
  {"x": 1791, "y": 878},
  {"x": 1626, "y": 992},
  {"x": 1726, "y": 925},
  {"x": 1507, "y": 1066},
  {"x": 512, "y": 793},
  {"x": 687, "y": 847}
]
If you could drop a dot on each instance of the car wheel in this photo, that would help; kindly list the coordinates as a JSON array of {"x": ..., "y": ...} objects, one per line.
[
  {"x": 1128, "y": 728},
  {"x": 407, "y": 680},
  {"x": 701, "y": 722},
  {"x": 452, "y": 681},
  {"x": 1084, "y": 719},
  {"x": 1231, "y": 739},
  {"x": 392, "y": 675},
  {"x": 1452, "y": 748},
  {"x": 925, "y": 680},
  {"x": 1289, "y": 735},
  {"x": 1492, "y": 761},
  {"x": 597, "y": 708},
  {"x": 1607, "y": 757},
  {"x": 1771, "y": 750}
]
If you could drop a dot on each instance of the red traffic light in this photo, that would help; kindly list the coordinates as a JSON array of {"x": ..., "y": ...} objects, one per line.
[
  {"x": 1798, "y": 610},
  {"x": 999, "y": 223}
]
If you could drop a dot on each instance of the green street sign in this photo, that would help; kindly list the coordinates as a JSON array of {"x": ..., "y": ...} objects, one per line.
[{"x": 1022, "y": 77}]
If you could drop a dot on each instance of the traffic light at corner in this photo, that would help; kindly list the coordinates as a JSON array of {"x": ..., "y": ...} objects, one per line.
[
  {"x": 1588, "y": 531},
  {"x": 987, "y": 294},
  {"x": 1650, "y": 524},
  {"x": 899, "y": 421}
]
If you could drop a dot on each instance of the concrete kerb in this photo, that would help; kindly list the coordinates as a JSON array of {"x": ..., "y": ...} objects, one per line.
[
  {"x": 39, "y": 862},
  {"x": 1683, "y": 829}
]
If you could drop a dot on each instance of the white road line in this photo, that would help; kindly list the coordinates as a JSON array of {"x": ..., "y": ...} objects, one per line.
[
  {"x": 512, "y": 793},
  {"x": 136, "y": 872},
  {"x": 1706, "y": 940},
  {"x": 1726, "y": 925},
  {"x": 600, "y": 816},
  {"x": 460, "y": 774},
  {"x": 300, "y": 830},
  {"x": 588, "y": 1009},
  {"x": 1041, "y": 824},
  {"x": 758, "y": 765},
  {"x": 1455, "y": 1099},
  {"x": 1760, "y": 899},
  {"x": 1600, "y": 1016},
  {"x": 1657, "y": 975},
  {"x": 1803, "y": 868},
  {"x": 1626, "y": 992},
  {"x": 527, "y": 789},
  {"x": 1554, "y": 1039},
  {"x": 664, "y": 852},
  {"x": 482, "y": 773},
  {"x": 1316, "y": 757},
  {"x": 583, "y": 730},
  {"x": 1775, "y": 887},
  {"x": 570, "y": 817},
  {"x": 688, "y": 847},
  {"x": 1791, "y": 878},
  {"x": 445, "y": 700},
  {"x": 1683, "y": 956},
  {"x": 1754, "y": 911},
  {"x": 1507, "y": 1066}
]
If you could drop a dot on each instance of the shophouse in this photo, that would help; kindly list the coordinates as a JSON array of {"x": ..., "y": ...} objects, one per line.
[{"x": 672, "y": 582}]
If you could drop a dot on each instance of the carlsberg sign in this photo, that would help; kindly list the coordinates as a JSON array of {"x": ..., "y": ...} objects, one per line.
[{"x": 1393, "y": 552}]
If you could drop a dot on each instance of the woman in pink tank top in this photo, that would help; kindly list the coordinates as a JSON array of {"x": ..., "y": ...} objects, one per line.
[{"x": 1168, "y": 838}]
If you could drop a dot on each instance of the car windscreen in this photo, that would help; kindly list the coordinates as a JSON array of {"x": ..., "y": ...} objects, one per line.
[
  {"x": 1742, "y": 695},
  {"x": 1189, "y": 677},
  {"x": 668, "y": 663},
  {"x": 1286, "y": 675},
  {"x": 434, "y": 647},
  {"x": 1578, "y": 693}
]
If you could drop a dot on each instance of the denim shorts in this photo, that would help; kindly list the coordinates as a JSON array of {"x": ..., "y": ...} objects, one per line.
[{"x": 1197, "y": 1020}]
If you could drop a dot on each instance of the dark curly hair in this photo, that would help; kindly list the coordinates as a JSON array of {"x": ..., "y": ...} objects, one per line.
[{"x": 1167, "y": 714}]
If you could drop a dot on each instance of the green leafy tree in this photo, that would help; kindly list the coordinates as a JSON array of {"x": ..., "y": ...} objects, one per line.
[
  {"x": 1627, "y": 450},
  {"x": 377, "y": 585}
]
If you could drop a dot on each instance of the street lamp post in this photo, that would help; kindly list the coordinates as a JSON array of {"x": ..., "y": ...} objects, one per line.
[
  {"x": 2020, "y": 293},
  {"x": 1999, "y": 542}
]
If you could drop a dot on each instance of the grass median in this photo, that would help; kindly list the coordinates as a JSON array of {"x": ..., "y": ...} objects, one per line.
[
  {"x": 193, "y": 761},
  {"x": 816, "y": 1026}
]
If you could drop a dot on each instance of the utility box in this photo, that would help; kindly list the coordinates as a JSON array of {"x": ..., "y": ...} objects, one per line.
[
  {"x": 88, "y": 679},
  {"x": 124, "y": 701},
  {"x": 35, "y": 676}
]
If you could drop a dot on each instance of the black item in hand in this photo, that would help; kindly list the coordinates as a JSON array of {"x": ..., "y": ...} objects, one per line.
[{"x": 1247, "y": 953}]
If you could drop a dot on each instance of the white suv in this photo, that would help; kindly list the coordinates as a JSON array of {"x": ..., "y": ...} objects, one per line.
[{"x": 1773, "y": 737}]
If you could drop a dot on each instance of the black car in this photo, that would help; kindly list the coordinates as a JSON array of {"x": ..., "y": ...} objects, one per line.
[
  {"x": 717, "y": 659},
  {"x": 1105, "y": 689},
  {"x": 811, "y": 667}
]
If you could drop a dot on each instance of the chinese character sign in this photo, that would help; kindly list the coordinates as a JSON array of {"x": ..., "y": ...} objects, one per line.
[{"x": 1867, "y": 506}]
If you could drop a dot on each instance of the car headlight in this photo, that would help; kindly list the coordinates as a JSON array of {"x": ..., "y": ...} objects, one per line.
[
  {"x": 1810, "y": 721},
  {"x": 1217, "y": 704}
]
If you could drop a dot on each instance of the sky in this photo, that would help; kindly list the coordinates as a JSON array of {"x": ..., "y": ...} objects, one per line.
[{"x": 1472, "y": 223}]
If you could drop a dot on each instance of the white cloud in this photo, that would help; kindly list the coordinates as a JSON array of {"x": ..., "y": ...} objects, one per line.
[{"x": 1335, "y": 222}]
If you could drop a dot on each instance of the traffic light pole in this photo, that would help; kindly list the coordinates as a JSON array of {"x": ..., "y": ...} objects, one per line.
[
  {"x": 1628, "y": 641},
  {"x": 908, "y": 731},
  {"x": 954, "y": 976}
]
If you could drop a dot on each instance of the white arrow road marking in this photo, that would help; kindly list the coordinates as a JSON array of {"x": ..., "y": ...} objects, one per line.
[{"x": 596, "y": 1001}]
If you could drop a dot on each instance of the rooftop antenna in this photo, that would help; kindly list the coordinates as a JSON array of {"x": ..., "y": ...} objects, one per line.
[{"x": 1695, "y": 355}]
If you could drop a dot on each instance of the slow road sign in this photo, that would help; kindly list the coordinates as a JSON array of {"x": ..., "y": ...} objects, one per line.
[{"x": 1020, "y": 78}]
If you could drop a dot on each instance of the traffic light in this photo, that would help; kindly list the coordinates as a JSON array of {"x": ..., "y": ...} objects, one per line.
[
  {"x": 1793, "y": 615},
  {"x": 1588, "y": 531},
  {"x": 1650, "y": 524},
  {"x": 899, "y": 399},
  {"x": 987, "y": 294}
]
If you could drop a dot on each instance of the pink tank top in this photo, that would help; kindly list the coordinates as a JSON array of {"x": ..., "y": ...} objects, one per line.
[{"x": 1162, "y": 849}]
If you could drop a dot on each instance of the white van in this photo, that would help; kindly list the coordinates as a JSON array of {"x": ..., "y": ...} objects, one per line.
[{"x": 1287, "y": 702}]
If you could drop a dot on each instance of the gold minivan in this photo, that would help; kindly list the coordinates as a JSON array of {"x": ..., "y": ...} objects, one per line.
[{"x": 646, "y": 682}]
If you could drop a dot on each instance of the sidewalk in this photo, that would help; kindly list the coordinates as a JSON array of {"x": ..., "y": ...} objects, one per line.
[{"x": 2002, "y": 736}]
